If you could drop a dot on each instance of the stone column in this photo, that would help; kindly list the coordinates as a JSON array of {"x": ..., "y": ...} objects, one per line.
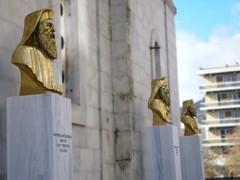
[
  {"x": 163, "y": 153},
  {"x": 39, "y": 137},
  {"x": 192, "y": 157}
]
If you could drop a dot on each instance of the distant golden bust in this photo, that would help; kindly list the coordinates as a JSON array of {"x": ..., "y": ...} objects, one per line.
[
  {"x": 159, "y": 102},
  {"x": 35, "y": 55},
  {"x": 188, "y": 118}
]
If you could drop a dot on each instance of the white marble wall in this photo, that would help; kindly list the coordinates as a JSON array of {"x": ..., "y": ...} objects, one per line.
[
  {"x": 137, "y": 25},
  {"x": 93, "y": 128},
  {"x": 108, "y": 69}
]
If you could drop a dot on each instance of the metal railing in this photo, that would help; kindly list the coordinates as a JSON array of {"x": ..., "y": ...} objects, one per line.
[
  {"x": 220, "y": 103},
  {"x": 224, "y": 178},
  {"x": 220, "y": 121},
  {"x": 220, "y": 85},
  {"x": 210, "y": 141}
]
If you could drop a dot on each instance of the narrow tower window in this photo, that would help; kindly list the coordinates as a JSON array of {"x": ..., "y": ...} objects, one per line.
[{"x": 157, "y": 60}]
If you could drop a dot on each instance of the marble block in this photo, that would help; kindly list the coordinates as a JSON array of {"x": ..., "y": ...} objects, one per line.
[
  {"x": 163, "y": 153},
  {"x": 192, "y": 158},
  {"x": 39, "y": 138}
]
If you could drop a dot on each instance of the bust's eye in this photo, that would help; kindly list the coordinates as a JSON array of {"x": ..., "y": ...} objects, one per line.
[{"x": 49, "y": 25}]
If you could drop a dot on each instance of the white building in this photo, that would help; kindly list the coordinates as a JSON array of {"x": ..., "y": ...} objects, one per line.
[
  {"x": 222, "y": 103},
  {"x": 109, "y": 51}
]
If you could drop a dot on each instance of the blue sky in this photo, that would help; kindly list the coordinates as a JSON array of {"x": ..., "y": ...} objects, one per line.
[
  {"x": 207, "y": 35},
  {"x": 202, "y": 17}
]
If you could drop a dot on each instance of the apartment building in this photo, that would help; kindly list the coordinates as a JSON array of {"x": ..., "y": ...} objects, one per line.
[{"x": 222, "y": 105}]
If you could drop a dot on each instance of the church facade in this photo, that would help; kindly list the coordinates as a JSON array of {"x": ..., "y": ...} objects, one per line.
[{"x": 109, "y": 51}]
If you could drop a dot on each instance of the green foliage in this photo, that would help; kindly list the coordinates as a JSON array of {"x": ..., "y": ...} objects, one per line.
[
  {"x": 210, "y": 166},
  {"x": 232, "y": 163}
]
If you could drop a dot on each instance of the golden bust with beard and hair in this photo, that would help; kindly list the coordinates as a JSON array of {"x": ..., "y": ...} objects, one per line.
[
  {"x": 159, "y": 102},
  {"x": 188, "y": 118},
  {"x": 35, "y": 55}
]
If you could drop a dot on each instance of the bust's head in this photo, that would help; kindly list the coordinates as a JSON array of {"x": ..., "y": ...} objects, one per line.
[
  {"x": 39, "y": 32},
  {"x": 159, "y": 90},
  {"x": 46, "y": 38},
  {"x": 189, "y": 107}
]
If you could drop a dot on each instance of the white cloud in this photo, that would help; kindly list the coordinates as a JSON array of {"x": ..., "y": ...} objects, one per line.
[
  {"x": 193, "y": 54},
  {"x": 236, "y": 9},
  {"x": 222, "y": 30}
]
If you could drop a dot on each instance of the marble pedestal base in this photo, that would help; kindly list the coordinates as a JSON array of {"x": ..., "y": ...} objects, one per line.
[
  {"x": 39, "y": 138},
  {"x": 163, "y": 153},
  {"x": 192, "y": 158}
]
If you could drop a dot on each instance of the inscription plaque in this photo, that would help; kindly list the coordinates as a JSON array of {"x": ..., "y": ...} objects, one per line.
[{"x": 62, "y": 141}]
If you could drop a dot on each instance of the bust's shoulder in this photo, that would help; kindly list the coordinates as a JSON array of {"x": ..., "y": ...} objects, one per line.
[
  {"x": 187, "y": 119},
  {"x": 24, "y": 53},
  {"x": 158, "y": 102},
  {"x": 157, "y": 105},
  {"x": 25, "y": 49}
]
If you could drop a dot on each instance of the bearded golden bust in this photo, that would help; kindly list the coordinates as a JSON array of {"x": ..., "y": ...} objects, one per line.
[
  {"x": 188, "y": 118},
  {"x": 159, "y": 102},
  {"x": 35, "y": 55}
]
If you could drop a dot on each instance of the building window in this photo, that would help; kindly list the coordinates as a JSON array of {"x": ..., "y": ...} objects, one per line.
[
  {"x": 61, "y": 9},
  {"x": 236, "y": 114},
  {"x": 222, "y": 97},
  {"x": 155, "y": 53},
  {"x": 157, "y": 60},
  {"x": 223, "y": 134},
  {"x": 238, "y": 76},
  {"x": 233, "y": 78},
  {"x": 219, "y": 79},
  {"x": 221, "y": 115},
  {"x": 225, "y": 115},
  {"x": 228, "y": 114},
  {"x": 236, "y": 95}
]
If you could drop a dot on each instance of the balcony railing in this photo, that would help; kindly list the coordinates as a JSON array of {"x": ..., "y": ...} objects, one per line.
[
  {"x": 217, "y": 142},
  {"x": 220, "y": 121},
  {"x": 214, "y": 141},
  {"x": 221, "y": 85},
  {"x": 220, "y": 104},
  {"x": 224, "y": 178}
]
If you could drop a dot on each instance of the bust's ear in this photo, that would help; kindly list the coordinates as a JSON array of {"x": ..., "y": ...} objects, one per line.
[
  {"x": 33, "y": 39},
  {"x": 37, "y": 27}
]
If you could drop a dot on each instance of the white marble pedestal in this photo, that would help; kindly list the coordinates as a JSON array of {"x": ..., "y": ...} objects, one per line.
[
  {"x": 192, "y": 158},
  {"x": 39, "y": 138},
  {"x": 163, "y": 153}
]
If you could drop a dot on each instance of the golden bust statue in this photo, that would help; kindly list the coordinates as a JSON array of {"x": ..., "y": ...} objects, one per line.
[
  {"x": 35, "y": 55},
  {"x": 188, "y": 118},
  {"x": 159, "y": 102}
]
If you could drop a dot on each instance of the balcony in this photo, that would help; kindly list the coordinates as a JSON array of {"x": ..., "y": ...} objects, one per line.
[
  {"x": 219, "y": 70},
  {"x": 220, "y": 122},
  {"x": 220, "y": 86},
  {"x": 216, "y": 142},
  {"x": 217, "y": 105}
]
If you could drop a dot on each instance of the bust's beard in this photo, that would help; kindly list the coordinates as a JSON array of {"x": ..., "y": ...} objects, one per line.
[
  {"x": 47, "y": 45},
  {"x": 165, "y": 97},
  {"x": 192, "y": 113}
]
